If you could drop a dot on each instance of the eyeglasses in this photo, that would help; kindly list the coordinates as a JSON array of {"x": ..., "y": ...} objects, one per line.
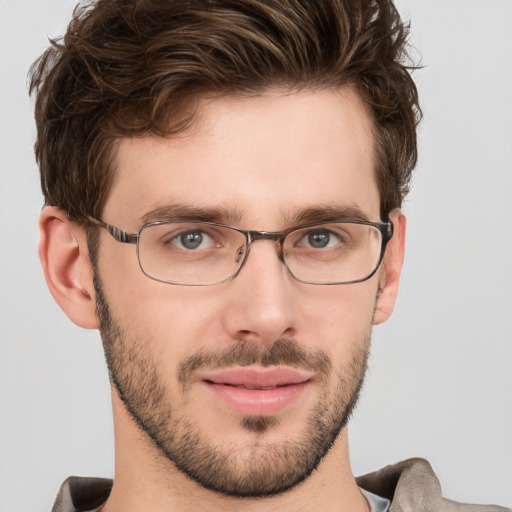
[{"x": 206, "y": 253}]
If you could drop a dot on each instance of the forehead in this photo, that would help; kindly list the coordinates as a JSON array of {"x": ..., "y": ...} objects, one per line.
[{"x": 263, "y": 158}]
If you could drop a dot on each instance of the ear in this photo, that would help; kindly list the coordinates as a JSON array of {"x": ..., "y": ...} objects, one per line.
[
  {"x": 391, "y": 270},
  {"x": 67, "y": 270}
]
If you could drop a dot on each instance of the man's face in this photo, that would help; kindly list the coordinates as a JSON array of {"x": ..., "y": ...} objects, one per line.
[{"x": 244, "y": 385}]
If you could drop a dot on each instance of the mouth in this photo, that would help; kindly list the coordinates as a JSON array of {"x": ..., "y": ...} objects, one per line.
[
  {"x": 256, "y": 391},
  {"x": 247, "y": 386}
]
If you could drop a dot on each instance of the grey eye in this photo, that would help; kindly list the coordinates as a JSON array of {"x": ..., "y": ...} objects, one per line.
[
  {"x": 191, "y": 239},
  {"x": 319, "y": 239}
]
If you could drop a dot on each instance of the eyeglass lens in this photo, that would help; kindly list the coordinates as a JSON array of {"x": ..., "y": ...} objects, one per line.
[{"x": 195, "y": 253}]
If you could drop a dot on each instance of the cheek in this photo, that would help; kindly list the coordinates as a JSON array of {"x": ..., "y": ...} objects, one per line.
[
  {"x": 164, "y": 316},
  {"x": 340, "y": 317}
]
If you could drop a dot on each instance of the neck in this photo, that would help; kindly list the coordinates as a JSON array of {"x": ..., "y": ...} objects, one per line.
[{"x": 146, "y": 480}]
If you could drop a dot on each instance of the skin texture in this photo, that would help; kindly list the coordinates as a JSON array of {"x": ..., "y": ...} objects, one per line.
[{"x": 261, "y": 162}]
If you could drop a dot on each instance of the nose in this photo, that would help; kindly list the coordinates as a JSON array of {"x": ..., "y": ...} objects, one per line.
[{"x": 260, "y": 305}]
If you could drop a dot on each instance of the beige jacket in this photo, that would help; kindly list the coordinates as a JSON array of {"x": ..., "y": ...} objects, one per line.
[{"x": 410, "y": 485}]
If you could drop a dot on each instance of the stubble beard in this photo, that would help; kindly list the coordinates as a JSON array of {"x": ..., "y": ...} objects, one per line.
[{"x": 265, "y": 468}]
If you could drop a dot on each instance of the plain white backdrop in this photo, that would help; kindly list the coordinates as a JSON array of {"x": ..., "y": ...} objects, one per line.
[{"x": 440, "y": 380}]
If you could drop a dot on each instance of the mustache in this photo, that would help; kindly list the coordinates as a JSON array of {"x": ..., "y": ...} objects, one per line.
[{"x": 283, "y": 352}]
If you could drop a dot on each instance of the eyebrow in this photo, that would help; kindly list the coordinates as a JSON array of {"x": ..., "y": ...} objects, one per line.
[
  {"x": 328, "y": 213},
  {"x": 181, "y": 212},
  {"x": 317, "y": 214}
]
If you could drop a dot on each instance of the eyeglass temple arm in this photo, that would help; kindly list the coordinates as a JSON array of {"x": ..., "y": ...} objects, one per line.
[{"x": 117, "y": 234}]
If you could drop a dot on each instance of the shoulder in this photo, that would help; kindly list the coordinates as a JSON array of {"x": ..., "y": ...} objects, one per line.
[{"x": 412, "y": 486}]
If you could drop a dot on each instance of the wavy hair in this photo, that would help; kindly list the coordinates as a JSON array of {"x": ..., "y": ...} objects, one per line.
[{"x": 130, "y": 68}]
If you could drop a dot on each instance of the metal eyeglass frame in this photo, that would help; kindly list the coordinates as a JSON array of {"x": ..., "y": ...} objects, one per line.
[{"x": 385, "y": 228}]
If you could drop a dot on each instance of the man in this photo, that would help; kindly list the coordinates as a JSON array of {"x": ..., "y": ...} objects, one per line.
[{"x": 223, "y": 183}]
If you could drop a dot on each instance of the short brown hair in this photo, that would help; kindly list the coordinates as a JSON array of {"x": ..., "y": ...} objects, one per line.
[{"x": 135, "y": 67}]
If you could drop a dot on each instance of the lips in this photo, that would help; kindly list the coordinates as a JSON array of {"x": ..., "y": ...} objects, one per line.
[{"x": 256, "y": 391}]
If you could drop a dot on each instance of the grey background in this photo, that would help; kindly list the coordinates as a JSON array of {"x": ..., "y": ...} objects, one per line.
[{"x": 440, "y": 384}]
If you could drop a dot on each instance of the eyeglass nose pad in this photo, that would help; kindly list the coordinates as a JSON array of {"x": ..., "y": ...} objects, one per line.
[{"x": 240, "y": 253}]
